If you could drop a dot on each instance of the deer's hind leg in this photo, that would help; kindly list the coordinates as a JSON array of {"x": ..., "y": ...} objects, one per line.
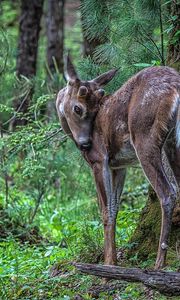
[{"x": 149, "y": 153}]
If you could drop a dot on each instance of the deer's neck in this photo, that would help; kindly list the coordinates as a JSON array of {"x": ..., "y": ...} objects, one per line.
[
  {"x": 112, "y": 119},
  {"x": 112, "y": 122}
]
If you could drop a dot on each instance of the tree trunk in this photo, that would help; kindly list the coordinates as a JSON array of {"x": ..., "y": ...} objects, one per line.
[
  {"x": 31, "y": 12},
  {"x": 55, "y": 36},
  {"x": 29, "y": 29},
  {"x": 55, "y": 49},
  {"x": 167, "y": 283}
]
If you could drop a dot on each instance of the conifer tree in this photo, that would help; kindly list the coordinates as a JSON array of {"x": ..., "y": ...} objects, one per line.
[{"x": 135, "y": 31}]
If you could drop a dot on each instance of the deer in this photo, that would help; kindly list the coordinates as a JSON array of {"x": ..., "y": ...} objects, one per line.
[{"x": 138, "y": 123}]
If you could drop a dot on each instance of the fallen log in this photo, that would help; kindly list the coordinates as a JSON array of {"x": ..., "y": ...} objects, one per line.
[{"x": 167, "y": 283}]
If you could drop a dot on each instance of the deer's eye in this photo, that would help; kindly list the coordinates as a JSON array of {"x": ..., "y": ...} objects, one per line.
[{"x": 78, "y": 110}]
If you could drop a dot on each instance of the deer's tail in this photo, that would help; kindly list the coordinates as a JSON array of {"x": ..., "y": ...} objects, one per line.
[{"x": 178, "y": 124}]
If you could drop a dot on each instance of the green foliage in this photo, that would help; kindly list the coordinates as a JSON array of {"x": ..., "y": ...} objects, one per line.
[
  {"x": 95, "y": 18},
  {"x": 24, "y": 268},
  {"x": 48, "y": 209},
  {"x": 139, "y": 26}
]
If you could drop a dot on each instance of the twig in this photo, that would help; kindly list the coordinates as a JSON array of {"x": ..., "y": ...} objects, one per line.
[
  {"x": 37, "y": 206},
  {"x": 152, "y": 41},
  {"x": 150, "y": 50},
  {"x": 17, "y": 111}
]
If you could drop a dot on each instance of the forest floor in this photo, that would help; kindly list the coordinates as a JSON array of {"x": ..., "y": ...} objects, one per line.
[
  {"x": 40, "y": 269},
  {"x": 36, "y": 260}
]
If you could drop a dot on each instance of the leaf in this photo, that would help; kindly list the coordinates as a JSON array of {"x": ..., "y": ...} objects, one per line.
[
  {"x": 143, "y": 65},
  {"x": 48, "y": 253}
]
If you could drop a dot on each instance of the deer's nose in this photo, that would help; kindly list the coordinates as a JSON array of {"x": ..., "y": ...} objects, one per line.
[{"x": 86, "y": 146}]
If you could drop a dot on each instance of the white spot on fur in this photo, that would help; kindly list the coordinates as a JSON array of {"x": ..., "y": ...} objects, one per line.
[{"x": 61, "y": 108}]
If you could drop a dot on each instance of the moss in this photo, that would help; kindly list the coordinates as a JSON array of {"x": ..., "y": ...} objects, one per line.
[{"x": 146, "y": 236}]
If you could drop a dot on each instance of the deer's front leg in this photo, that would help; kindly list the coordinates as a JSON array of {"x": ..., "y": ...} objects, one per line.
[{"x": 109, "y": 184}]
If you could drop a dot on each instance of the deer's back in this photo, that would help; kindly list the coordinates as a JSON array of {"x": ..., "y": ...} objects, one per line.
[
  {"x": 153, "y": 103},
  {"x": 144, "y": 106},
  {"x": 149, "y": 96}
]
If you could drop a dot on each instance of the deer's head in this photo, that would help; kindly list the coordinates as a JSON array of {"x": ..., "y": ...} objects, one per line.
[{"x": 80, "y": 103}]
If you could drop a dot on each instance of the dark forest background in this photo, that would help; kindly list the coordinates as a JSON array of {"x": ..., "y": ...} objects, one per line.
[{"x": 48, "y": 210}]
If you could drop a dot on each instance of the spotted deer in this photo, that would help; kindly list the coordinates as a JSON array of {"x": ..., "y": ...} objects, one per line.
[{"x": 139, "y": 123}]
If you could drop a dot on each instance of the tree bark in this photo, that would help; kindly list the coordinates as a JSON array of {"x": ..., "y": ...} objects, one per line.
[
  {"x": 55, "y": 36},
  {"x": 167, "y": 283},
  {"x": 55, "y": 49},
  {"x": 31, "y": 12},
  {"x": 29, "y": 29}
]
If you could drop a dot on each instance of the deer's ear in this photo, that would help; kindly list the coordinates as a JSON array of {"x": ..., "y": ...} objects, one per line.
[
  {"x": 105, "y": 78},
  {"x": 69, "y": 69}
]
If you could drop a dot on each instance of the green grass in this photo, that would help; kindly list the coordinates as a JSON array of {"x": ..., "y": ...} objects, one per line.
[
  {"x": 25, "y": 274},
  {"x": 73, "y": 232}
]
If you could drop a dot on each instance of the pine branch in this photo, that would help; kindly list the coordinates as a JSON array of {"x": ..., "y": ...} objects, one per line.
[{"x": 152, "y": 41}]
